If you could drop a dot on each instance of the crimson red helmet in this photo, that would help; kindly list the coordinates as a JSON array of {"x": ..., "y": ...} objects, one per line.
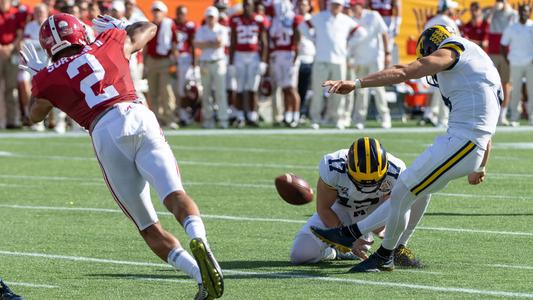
[
  {"x": 61, "y": 31},
  {"x": 192, "y": 92},
  {"x": 265, "y": 87}
]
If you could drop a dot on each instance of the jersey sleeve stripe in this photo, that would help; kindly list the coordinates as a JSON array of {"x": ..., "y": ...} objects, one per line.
[
  {"x": 443, "y": 168},
  {"x": 455, "y": 46}
]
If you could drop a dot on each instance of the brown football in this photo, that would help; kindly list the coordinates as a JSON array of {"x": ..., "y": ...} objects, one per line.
[{"x": 293, "y": 189}]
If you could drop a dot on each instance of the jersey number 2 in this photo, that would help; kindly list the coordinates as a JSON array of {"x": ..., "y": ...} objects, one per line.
[{"x": 96, "y": 76}]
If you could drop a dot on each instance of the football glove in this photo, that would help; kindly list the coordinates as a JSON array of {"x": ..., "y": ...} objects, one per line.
[
  {"x": 106, "y": 22},
  {"x": 263, "y": 66},
  {"x": 30, "y": 61}
]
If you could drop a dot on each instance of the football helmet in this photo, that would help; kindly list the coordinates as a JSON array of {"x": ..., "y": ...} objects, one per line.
[
  {"x": 265, "y": 87},
  {"x": 61, "y": 31},
  {"x": 367, "y": 164},
  {"x": 431, "y": 38}
]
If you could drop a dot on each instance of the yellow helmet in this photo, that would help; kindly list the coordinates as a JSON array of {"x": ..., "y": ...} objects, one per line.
[
  {"x": 431, "y": 38},
  {"x": 367, "y": 163}
]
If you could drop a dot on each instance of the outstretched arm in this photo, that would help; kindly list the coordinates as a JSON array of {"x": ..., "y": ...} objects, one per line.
[
  {"x": 139, "y": 34},
  {"x": 439, "y": 61}
]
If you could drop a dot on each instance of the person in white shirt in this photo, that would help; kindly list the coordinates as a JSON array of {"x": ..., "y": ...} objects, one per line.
[
  {"x": 519, "y": 38},
  {"x": 370, "y": 55},
  {"x": 306, "y": 56},
  {"x": 436, "y": 113},
  {"x": 212, "y": 38},
  {"x": 332, "y": 29}
]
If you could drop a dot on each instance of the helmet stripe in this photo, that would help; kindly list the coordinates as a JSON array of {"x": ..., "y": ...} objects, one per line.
[
  {"x": 53, "y": 29},
  {"x": 378, "y": 155},
  {"x": 374, "y": 153},
  {"x": 368, "y": 159},
  {"x": 361, "y": 162},
  {"x": 352, "y": 155}
]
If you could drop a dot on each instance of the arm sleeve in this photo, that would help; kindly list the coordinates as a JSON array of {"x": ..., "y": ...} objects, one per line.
[{"x": 325, "y": 173}]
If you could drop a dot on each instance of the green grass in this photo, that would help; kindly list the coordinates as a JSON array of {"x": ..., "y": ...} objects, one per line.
[{"x": 232, "y": 175}]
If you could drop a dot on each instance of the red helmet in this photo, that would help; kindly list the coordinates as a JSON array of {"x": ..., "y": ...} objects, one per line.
[
  {"x": 61, "y": 31},
  {"x": 192, "y": 91},
  {"x": 265, "y": 86}
]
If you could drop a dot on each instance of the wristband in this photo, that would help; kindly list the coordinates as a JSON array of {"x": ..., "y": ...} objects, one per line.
[
  {"x": 480, "y": 169},
  {"x": 358, "y": 83}
]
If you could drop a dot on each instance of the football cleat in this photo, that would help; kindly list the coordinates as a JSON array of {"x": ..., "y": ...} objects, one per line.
[
  {"x": 345, "y": 256},
  {"x": 6, "y": 293},
  {"x": 202, "y": 293},
  {"x": 212, "y": 278},
  {"x": 374, "y": 263},
  {"x": 334, "y": 238},
  {"x": 404, "y": 257}
]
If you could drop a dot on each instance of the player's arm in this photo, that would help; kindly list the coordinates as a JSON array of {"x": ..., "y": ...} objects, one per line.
[
  {"x": 386, "y": 45},
  {"x": 232, "y": 45},
  {"x": 325, "y": 198},
  {"x": 139, "y": 34},
  {"x": 39, "y": 109},
  {"x": 438, "y": 61},
  {"x": 478, "y": 176},
  {"x": 193, "y": 50},
  {"x": 263, "y": 38}
]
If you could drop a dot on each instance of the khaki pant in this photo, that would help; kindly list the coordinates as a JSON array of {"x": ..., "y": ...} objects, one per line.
[
  {"x": 323, "y": 71},
  {"x": 362, "y": 96},
  {"x": 517, "y": 73},
  {"x": 501, "y": 65},
  {"x": 214, "y": 80},
  {"x": 160, "y": 90},
  {"x": 9, "y": 108}
]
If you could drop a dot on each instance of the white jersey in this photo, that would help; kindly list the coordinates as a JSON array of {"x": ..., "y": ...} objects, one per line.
[
  {"x": 333, "y": 172},
  {"x": 472, "y": 91}
]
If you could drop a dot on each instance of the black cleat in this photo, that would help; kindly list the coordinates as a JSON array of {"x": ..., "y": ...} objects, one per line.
[
  {"x": 7, "y": 294},
  {"x": 375, "y": 263},
  {"x": 334, "y": 238},
  {"x": 212, "y": 278},
  {"x": 202, "y": 293},
  {"x": 404, "y": 257}
]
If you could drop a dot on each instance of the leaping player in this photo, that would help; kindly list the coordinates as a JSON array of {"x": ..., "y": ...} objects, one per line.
[
  {"x": 471, "y": 89},
  {"x": 91, "y": 83}
]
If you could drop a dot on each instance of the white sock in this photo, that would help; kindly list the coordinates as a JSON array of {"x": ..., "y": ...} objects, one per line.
[
  {"x": 194, "y": 227},
  {"x": 329, "y": 254},
  {"x": 288, "y": 116},
  {"x": 253, "y": 116},
  {"x": 182, "y": 260},
  {"x": 376, "y": 219},
  {"x": 503, "y": 113},
  {"x": 401, "y": 200},
  {"x": 296, "y": 116},
  {"x": 240, "y": 115},
  {"x": 417, "y": 211}
]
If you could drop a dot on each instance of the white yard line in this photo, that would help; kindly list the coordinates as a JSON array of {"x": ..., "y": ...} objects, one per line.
[
  {"x": 291, "y": 275},
  {"x": 255, "y": 219},
  {"x": 46, "y": 286},
  {"x": 520, "y": 267}
]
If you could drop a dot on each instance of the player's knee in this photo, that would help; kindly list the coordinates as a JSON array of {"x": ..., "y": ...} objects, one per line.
[{"x": 304, "y": 253}]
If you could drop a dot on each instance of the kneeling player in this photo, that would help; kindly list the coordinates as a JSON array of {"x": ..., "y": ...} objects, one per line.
[{"x": 353, "y": 183}]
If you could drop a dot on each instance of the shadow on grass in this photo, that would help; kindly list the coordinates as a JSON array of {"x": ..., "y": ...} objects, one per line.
[{"x": 446, "y": 214}]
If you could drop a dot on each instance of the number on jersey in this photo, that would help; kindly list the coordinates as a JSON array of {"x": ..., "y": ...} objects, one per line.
[{"x": 90, "y": 80}]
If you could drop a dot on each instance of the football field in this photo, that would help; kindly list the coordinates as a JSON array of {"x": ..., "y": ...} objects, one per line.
[{"x": 63, "y": 237}]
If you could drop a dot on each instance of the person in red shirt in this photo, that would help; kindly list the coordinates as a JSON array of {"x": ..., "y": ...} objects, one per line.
[
  {"x": 477, "y": 29},
  {"x": 184, "y": 32},
  {"x": 248, "y": 37},
  {"x": 284, "y": 36},
  {"x": 12, "y": 23},
  {"x": 157, "y": 62},
  {"x": 91, "y": 83}
]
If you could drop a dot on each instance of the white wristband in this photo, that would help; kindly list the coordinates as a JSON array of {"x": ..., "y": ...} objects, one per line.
[
  {"x": 358, "y": 83},
  {"x": 480, "y": 170}
]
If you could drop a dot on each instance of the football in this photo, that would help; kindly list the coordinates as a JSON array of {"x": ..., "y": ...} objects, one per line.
[{"x": 293, "y": 189}]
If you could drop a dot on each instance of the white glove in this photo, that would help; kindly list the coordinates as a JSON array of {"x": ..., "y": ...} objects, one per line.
[
  {"x": 263, "y": 68},
  {"x": 103, "y": 23},
  {"x": 231, "y": 71},
  {"x": 30, "y": 60}
]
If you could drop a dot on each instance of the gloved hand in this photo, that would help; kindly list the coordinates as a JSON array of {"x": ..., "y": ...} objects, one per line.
[
  {"x": 263, "y": 66},
  {"x": 30, "y": 60},
  {"x": 103, "y": 23}
]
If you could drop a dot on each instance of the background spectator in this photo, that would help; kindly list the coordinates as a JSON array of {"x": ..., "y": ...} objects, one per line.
[
  {"x": 306, "y": 55},
  {"x": 477, "y": 29},
  {"x": 212, "y": 39},
  {"x": 519, "y": 38},
  {"x": 158, "y": 52},
  {"x": 502, "y": 15},
  {"x": 332, "y": 29},
  {"x": 372, "y": 54}
]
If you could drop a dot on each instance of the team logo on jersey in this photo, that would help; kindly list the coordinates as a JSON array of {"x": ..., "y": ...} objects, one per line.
[
  {"x": 386, "y": 185},
  {"x": 342, "y": 190}
]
